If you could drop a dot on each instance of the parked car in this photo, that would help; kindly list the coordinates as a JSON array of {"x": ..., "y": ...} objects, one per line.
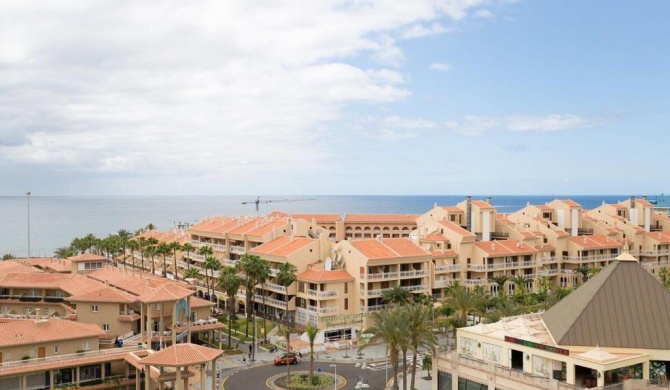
[{"x": 286, "y": 358}]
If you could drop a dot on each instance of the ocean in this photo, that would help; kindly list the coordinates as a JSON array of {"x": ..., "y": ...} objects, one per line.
[{"x": 56, "y": 220}]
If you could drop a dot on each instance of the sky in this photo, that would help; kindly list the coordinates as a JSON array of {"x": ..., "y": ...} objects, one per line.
[{"x": 431, "y": 97}]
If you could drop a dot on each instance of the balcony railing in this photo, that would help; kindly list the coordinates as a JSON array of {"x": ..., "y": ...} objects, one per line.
[
  {"x": 218, "y": 247},
  {"x": 73, "y": 356},
  {"x": 380, "y": 276},
  {"x": 442, "y": 282},
  {"x": 322, "y": 294},
  {"x": 259, "y": 299},
  {"x": 550, "y": 259},
  {"x": 373, "y": 308},
  {"x": 528, "y": 264},
  {"x": 275, "y": 287},
  {"x": 322, "y": 310},
  {"x": 238, "y": 249},
  {"x": 231, "y": 263},
  {"x": 546, "y": 272},
  {"x": 584, "y": 259},
  {"x": 378, "y": 292},
  {"x": 414, "y": 273},
  {"x": 475, "y": 282},
  {"x": 449, "y": 267},
  {"x": 662, "y": 252}
]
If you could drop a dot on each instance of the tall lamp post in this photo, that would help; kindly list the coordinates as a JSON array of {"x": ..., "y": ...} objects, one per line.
[
  {"x": 28, "y": 201},
  {"x": 361, "y": 383},
  {"x": 335, "y": 366}
]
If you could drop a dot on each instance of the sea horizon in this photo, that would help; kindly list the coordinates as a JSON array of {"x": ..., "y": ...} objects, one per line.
[{"x": 57, "y": 219}]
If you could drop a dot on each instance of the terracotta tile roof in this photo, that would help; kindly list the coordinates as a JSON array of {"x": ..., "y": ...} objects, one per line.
[
  {"x": 246, "y": 226},
  {"x": 569, "y": 202},
  {"x": 51, "y": 263},
  {"x": 381, "y": 218},
  {"x": 434, "y": 237},
  {"x": 105, "y": 294},
  {"x": 44, "y": 331},
  {"x": 503, "y": 218},
  {"x": 86, "y": 257},
  {"x": 185, "y": 354},
  {"x": 320, "y": 218},
  {"x": 73, "y": 361},
  {"x": 482, "y": 205},
  {"x": 543, "y": 207},
  {"x": 267, "y": 228},
  {"x": 452, "y": 209},
  {"x": 388, "y": 248},
  {"x": 226, "y": 225},
  {"x": 195, "y": 302},
  {"x": 72, "y": 284},
  {"x": 505, "y": 247},
  {"x": 595, "y": 241},
  {"x": 136, "y": 283},
  {"x": 282, "y": 246},
  {"x": 311, "y": 275},
  {"x": 545, "y": 247},
  {"x": 643, "y": 202},
  {"x": 661, "y": 237},
  {"x": 16, "y": 266},
  {"x": 457, "y": 229},
  {"x": 165, "y": 293}
]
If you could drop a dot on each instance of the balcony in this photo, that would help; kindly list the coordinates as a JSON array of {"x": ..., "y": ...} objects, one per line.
[
  {"x": 414, "y": 273},
  {"x": 271, "y": 301},
  {"x": 373, "y": 308},
  {"x": 662, "y": 252},
  {"x": 448, "y": 268},
  {"x": 488, "y": 267},
  {"x": 441, "y": 283},
  {"x": 218, "y": 247},
  {"x": 547, "y": 272},
  {"x": 197, "y": 243},
  {"x": 323, "y": 310},
  {"x": 380, "y": 276},
  {"x": 549, "y": 259},
  {"x": 585, "y": 259},
  {"x": 379, "y": 292},
  {"x": 322, "y": 294},
  {"x": 475, "y": 282},
  {"x": 528, "y": 264},
  {"x": 275, "y": 287},
  {"x": 230, "y": 263},
  {"x": 237, "y": 249}
]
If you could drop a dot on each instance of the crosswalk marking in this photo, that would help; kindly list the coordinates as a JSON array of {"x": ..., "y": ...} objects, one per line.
[{"x": 380, "y": 366}]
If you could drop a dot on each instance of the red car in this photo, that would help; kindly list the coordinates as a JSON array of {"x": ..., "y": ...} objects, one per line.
[{"x": 286, "y": 358}]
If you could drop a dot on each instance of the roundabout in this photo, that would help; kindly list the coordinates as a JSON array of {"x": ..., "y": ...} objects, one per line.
[
  {"x": 279, "y": 381},
  {"x": 268, "y": 376}
]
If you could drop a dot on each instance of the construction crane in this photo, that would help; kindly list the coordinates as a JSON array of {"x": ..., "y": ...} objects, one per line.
[{"x": 258, "y": 201}]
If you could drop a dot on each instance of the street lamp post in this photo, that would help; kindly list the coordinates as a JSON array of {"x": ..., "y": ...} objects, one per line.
[
  {"x": 28, "y": 201},
  {"x": 335, "y": 366},
  {"x": 361, "y": 383}
]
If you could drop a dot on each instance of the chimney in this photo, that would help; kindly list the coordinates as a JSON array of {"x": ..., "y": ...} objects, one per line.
[
  {"x": 488, "y": 200},
  {"x": 644, "y": 197},
  {"x": 632, "y": 202},
  {"x": 379, "y": 238},
  {"x": 37, "y": 314},
  {"x": 468, "y": 213},
  {"x": 493, "y": 246}
]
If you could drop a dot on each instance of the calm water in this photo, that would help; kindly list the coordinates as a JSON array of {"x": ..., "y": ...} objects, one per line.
[{"x": 55, "y": 221}]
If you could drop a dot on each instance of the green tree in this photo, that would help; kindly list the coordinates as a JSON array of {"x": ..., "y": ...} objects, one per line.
[
  {"x": 124, "y": 239},
  {"x": 192, "y": 273},
  {"x": 143, "y": 245},
  {"x": 419, "y": 332},
  {"x": 427, "y": 364},
  {"x": 132, "y": 246},
  {"x": 255, "y": 269},
  {"x": 311, "y": 331},
  {"x": 163, "y": 249},
  {"x": 464, "y": 302},
  {"x": 188, "y": 248},
  {"x": 519, "y": 281},
  {"x": 62, "y": 253},
  {"x": 544, "y": 283},
  {"x": 387, "y": 327},
  {"x": 174, "y": 247},
  {"x": 396, "y": 296},
  {"x": 152, "y": 245},
  {"x": 229, "y": 282},
  {"x": 286, "y": 276},
  {"x": 210, "y": 265}
]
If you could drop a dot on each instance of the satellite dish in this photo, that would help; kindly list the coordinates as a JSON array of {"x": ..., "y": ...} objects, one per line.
[{"x": 329, "y": 264}]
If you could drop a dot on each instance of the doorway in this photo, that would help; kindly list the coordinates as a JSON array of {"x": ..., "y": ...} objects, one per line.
[
  {"x": 517, "y": 360},
  {"x": 41, "y": 352}
]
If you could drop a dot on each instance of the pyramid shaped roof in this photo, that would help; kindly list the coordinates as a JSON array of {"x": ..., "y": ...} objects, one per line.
[{"x": 622, "y": 306}]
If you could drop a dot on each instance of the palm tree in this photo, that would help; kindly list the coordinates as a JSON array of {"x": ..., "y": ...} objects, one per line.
[
  {"x": 213, "y": 264},
  {"x": 262, "y": 276},
  {"x": 188, "y": 248},
  {"x": 387, "y": 326},
  {"x": 286, "y": 276},
  {"x": 500, "y": 280},
  {"x": 229, "y": 282},
  {"x": 90, "y": 241},
  {"x": 396, "y": 296},
  {"x": 132, "y": 247},
  {"x": 544, "y": 283},
  {"x": 124, "y": 238},
  {"x": 244, "y": 265},
  {"x": 150, "y": 226},
  {"x": 584, "y": 270},
  {"x": 174, "y": 246},
  {"x": 192, "y": 273},
  {"x": 64, "y": 252},
  {"x": 152, "y": 246},
  {"x": 463, "y": 301},
  {"x": 311, "y": 331},
  {"x": 420, "y": 332},
  {"x": 427, "y": 364},
  {"x": 256, "y": 270},
  {"x": 163, "y": 249},
  {"x": 142, "y": 245}
]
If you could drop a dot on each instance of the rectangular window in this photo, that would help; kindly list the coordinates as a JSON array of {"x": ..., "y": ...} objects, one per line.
[
  {"x": 94, "y": 308},
  {"x": 157, "y": 306},
  {"x": 56, "y": 349},
  {"x": 86, "y": 345},
  {"x": 27, "y": 310},
  {"x": 47, "y": 311},
  {"x": 346, "y": 288},
  {"x": 346, "y": 303},
  {"x": 443, "y": 380},
  {"x": 105, "y": 327}
]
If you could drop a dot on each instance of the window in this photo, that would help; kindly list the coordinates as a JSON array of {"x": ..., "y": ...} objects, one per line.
[
  {"x": 346, "y": 288},
  {"x": 47, "y": 311},
  {"x": 5, "y": 310},
  {"x": 56, "y": 349},
  {"x": 94, "y": 308},
  {"x": 105, "y": 327},
  {"x": 27, "y": 310},
  {"x": 86, "y": 345},
  {"x": 346, "y": 303}
]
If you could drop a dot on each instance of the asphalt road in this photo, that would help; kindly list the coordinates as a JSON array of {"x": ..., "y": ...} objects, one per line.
[{"x": 255, "y": 378}]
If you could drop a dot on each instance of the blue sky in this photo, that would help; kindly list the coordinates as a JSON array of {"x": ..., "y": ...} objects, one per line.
[{"x": 353, "y": 97}]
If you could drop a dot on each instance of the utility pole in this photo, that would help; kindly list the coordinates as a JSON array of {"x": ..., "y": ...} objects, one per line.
[{"x": 28, "y": 198}]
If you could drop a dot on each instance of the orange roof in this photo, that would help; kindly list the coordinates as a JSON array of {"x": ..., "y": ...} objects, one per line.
[
  {"x": 86, "y": 257},
  {"x": 381, "y": 218},
  {"x": 267, "y": 228},
  {"x": 643, "y": 202},
  {"x": 440, "y": 254},
  {"x": 72, "y": 284},
  {"x": 185, "y": 354},
  {"x": 165, "y": 293},
  {"x": 661, "y": 237},
  {"x": 339, "y": 275},
  {"x": 503, "y": 218},
  {"x": 457, "y": 229},
  {"x": 434, "y": 237},
  {"x": 452, "y": 209},
  {"x": 282, "y": 246},
  {"x": 51, "y": 263},
  {"x": 570, "y": 202},
  {"x": 482, "y": 205},
  {"x": 320, "y": 218},
  {"x": 543, "y": 207},
  {"x": 246, "y": 226},
  {"x": 195, "y": 302},
  {"x": 16, "y": 266},
  {"x": 505, "y": 247},
  {"x": 105, "y": 294},
  {"x": 45, "y": 331},
  {"x": 388, "y": 248},
  {"x": 595, "y": 241}
]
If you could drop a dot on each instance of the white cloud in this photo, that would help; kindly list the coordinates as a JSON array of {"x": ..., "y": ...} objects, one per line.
[
  {"x": 476, "y": 125},
  {"x": 180, "y": 88},
  {"x": 440, "y": 67},
  {"x": 409, "y": 123},
  {"x": 484, "y": 14},
  {"x": 388, "y": 135}
]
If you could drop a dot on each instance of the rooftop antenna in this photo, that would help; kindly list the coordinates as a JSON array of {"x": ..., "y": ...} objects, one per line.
[{"x": 258, "y": 201}]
